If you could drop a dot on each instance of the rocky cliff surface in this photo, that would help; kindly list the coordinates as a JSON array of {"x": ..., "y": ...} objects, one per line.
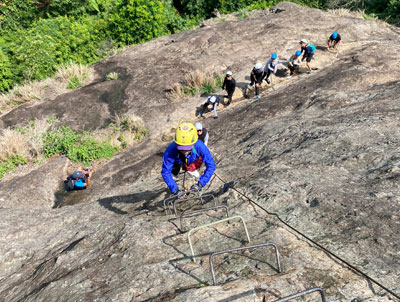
[{"x": 321, "y": 150}]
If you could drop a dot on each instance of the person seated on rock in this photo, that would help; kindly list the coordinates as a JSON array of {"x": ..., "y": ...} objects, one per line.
[
  {"x": 187, "y": 152},
  {"x": 309, "y": 50},
  {"x": 78, "y": 180},
  {"x": 202, "y": 133},
  {"x": 271, "y": 67},
  {"x": 256, "y": 77},
  {"x": 294, "y": 63},
  {"x": 212, "y": 100},
  {"x": 334, "y": 41},
  {"x": 229, "y": 85}
]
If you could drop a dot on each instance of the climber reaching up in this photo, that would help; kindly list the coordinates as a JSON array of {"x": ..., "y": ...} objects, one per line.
[
  {"x": 334, "y": 41},
  {"x": 229, "y": 85},
  {"x": 256, "y": 77},
  {"x": 270, "y": 67},
  {"x": 309, "y": 50},
  {"x": 187, "y": 152}
]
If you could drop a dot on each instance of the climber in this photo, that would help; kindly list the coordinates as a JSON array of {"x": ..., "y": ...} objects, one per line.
[
  {"x": 309, "y": 50},
  {"x": 78, "y": 180},
  {"x": 186, "y": 152},
  {"x": 256, "y": 77},
  {"x": 212, "y": 100},
  {"x": 270, "y": 67},
  {"x": 202, "y": 133},
  {"x": 334, "y": 41},
  {"x": 294, "y": 63},
  {"x": 229, "y": 85}
]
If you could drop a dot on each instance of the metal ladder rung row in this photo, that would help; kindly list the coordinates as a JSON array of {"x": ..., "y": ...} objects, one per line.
[{"x": 172, "y": 202}]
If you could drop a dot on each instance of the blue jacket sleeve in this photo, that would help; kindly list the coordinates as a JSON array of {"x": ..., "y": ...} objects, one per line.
[
  {"x": 208, "y": 160},
  {"x": 169, "y": 157}
]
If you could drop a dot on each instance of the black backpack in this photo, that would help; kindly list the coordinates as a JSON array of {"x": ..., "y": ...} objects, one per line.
[{"x": 69, "y": 183}]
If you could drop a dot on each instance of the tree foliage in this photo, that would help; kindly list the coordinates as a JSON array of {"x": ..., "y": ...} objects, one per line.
[{"x": 38, "y": 36}]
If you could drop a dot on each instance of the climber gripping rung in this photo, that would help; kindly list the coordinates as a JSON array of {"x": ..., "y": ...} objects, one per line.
[
  {"x": 278, "y": 265},
  {"x": 306, "y": 292},
  {"x": 197, "y": 212}
]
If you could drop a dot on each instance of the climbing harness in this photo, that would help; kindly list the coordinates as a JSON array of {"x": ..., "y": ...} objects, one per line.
[{"x": 278, "y": 265}]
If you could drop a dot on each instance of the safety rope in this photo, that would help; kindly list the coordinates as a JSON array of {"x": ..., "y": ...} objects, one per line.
[{"x": 312, "y": 241}]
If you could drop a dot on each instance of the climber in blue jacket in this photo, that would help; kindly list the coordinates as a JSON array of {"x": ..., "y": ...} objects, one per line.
[{"x": 187, "y": 152}]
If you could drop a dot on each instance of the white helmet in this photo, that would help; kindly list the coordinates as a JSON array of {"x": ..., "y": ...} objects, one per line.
[
  {"x": 213, "y": 99},
  {"x": 198, "y": 126},
  {"x": 258, "y": 65},
  {"x": 229, "y": 73},
  {"x": 303, "y": 41}
]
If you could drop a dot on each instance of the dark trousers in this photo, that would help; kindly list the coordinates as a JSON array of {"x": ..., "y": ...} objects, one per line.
[
  {"x": 230, "y": 94},
  {"x": 293, "y": 68},
  {"x": 257, "y": 81},
  {"x": 266, "y": 74}
]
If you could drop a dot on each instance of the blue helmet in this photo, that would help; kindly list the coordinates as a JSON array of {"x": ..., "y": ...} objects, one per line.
[
  {"x": 334, "y": 35},
  {"x": 274, "y": 56},
  {"x": 298, "y": 53}
]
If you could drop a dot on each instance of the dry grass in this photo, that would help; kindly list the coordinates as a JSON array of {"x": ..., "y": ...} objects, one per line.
[
  {"x": 175, "y": 92},
  {"x": 48, "y": 88},
  {"x": 126, "y": 128},
  {"x": 12, "y": 143},
  {"x": 196, "y": 79},
  {"x": 67, "y": 72},
  {"x": 344, "y": 12},
  {"x": 25, "y": 141}
]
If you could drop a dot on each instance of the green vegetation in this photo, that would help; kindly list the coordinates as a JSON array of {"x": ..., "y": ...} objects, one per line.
[
  {"x": 112, "y": 76},
  {"x": 43, "y": 139},
  {"x": 10, "y": 163},
  {"x": 36, "y": 37}
]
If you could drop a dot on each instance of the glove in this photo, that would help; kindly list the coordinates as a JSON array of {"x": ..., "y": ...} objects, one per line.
[
  {"x": 196, "y": 187},
  {"x": 179, "y": 193}
]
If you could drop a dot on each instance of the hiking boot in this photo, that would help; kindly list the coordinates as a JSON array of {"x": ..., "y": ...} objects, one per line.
[
  {"x": 309, "y": 71},
  {"x": 257, "y": 96},
  {"x": 268, "y": 81},
  {"x": 288, "y": 76},
  {"x": 227, "y": 104},
  {"x": 215, "y": 117},
  {"x": 249, "y": 85}
]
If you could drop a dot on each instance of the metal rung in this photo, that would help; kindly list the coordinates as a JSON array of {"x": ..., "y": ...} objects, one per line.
[
  {"x": 201, "y": 197},
  {"x": 244, "y": 248},
  {"x": 306, "y": 292},
  {"x": 214, "y": 223},
  {"x": 168, "y": 202},
  {"x": 194, "y": 213}
]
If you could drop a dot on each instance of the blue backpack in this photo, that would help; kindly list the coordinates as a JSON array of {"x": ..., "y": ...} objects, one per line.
[{"x": 312, "y": 47}]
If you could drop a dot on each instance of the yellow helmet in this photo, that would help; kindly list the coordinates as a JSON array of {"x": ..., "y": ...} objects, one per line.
[{"x": 186, "y": 134}]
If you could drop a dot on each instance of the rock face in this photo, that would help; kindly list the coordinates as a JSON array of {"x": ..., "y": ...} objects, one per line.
[{"x": 319, "y": 149}]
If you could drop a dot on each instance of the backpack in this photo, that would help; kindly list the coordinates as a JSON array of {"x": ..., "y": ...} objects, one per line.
[
  {"x": 312, "y": 47},
  {"x": 69, "y": 183}
]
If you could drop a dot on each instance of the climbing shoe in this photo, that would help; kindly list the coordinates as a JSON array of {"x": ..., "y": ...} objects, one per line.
[{"x": 268, "y": 81}]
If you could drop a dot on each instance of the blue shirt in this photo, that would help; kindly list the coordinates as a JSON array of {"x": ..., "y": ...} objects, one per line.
[
  {"x": 171, "y": 156},
  {"x": 79, "y": 184}
]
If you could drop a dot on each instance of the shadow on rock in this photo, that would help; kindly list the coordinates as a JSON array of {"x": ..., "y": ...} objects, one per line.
[{"x": 147, "y": 197}]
